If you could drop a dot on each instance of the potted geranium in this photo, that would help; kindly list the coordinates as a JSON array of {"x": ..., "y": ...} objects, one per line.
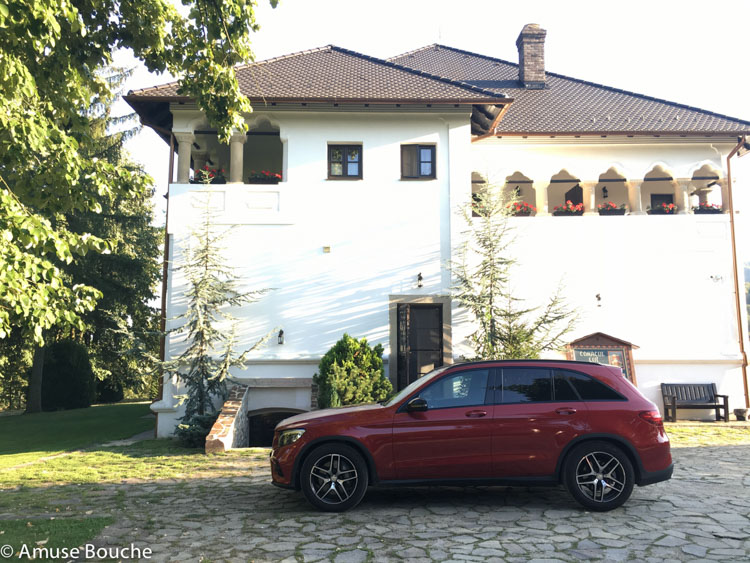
[
  {"x": 706, "y": 208},
  {"x": 208, "y": 175},
  {"x": 521, "y": 209},
  {"x": 611, "y": 208},
  {"x": 663, "y": 209},
  {"x": 569, "y": 208},
  {"x": 264, "y": 177}
]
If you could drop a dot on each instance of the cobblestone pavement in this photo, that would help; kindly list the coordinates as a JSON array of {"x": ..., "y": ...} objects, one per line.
[{"x": 701, "y": 514}]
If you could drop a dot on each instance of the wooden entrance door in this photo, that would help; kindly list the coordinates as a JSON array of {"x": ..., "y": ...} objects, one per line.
[{"x": 420, "y": 340}]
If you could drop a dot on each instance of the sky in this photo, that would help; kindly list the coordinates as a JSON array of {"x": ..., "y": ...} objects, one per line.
[{"x": 687, "y": 51}]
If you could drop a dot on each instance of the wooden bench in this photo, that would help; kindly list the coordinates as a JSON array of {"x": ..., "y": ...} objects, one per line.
[{"x": 693, "y": 396}]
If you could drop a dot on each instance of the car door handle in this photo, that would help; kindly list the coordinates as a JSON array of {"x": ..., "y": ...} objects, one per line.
[
  {"x": 566, "y": 410},
  {"x": 476, "y": 414}
]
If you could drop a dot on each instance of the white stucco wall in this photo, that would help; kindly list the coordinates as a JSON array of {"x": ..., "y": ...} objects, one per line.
[{"x": 665, "y": 281}]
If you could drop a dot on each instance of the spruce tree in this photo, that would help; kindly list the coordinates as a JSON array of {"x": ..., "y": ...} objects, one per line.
[
  {"x": 204, "y": 366},
  {"x": 482, "y": 285}
]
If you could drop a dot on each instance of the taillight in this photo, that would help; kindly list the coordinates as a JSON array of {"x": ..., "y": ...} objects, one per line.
[{"x": 652, "y": 417}]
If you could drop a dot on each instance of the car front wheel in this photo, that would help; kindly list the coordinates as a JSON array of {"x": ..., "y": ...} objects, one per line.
[
  {"x": 599, "y": 475},
  {"x": 334, "y": 477}
]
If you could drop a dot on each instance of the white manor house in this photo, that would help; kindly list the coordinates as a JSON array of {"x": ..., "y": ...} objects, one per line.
[{"x": 377, "y": 157}]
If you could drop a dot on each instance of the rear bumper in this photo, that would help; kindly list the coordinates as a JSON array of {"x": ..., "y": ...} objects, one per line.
[{"x": 651, "y": 477}]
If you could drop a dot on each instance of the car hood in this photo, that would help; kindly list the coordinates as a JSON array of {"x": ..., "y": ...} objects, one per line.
[{"x": 307, "y": 418}]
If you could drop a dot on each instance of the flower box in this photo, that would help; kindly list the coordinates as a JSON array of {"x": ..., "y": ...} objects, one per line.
[
  {"x": 661, "y": 212},
  {"x": 521, "y": 209},
  {"x": 568, "y": 209},
  {"x": 708, "y": 209},
  {"x": 263, "y": 181},
  {"x": 663, "y": 209},
  {"x": 217, "y": 180},
  {"x": 264, "y": 177},
  {"x": 566, "y": 213},
  {"x": 611, "y": 208}
]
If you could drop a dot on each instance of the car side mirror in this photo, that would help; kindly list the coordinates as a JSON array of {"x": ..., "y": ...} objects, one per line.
[{"x": 417, "y": 404}]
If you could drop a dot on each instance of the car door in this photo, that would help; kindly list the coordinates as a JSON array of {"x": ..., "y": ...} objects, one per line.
[
  {"x": 451, "y": 439},
  {"x": 535, "y": 416}
]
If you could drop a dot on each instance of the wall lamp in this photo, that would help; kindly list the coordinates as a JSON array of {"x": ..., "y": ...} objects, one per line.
[
  {"x": 281, "y": 336},
  {"x": 420, "y": 280},
  {"x": 605, "y": 192}
]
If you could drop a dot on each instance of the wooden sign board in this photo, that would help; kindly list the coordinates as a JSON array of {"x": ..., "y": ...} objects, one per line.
[{"x": 600, "y": 348}]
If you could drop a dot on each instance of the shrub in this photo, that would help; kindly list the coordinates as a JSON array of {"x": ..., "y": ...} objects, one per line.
[
  {"x": 68, "y": 381},
  {"x": 109, "y": 391},
  {"x": 351, "y": 373},
  {"x": 192, "y": 433}
]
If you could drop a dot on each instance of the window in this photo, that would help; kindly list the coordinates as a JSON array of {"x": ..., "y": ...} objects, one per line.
[
  {"x": 524, "y": 385},
  {"x": 587, "y": 387},
  {"x": 344, "y": 161},
  {"x": 417, "y": 161},
  {"x": 462, "y": 389},
  {"x": 564, "y": 390}
]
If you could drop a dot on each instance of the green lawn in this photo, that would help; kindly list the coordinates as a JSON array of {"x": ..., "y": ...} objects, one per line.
[
  {"x": 27, "y": 437},
  {"x": 147, "y": 460},
  {"x": 687, "y": 435},
  {"x": 50, "y": 533}
]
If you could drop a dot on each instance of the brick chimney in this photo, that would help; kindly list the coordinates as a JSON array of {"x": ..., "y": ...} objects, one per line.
[{"x": 530, "y": 45}]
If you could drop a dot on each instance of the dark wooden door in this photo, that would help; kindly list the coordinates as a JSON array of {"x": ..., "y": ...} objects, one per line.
[{"x": 420, "y": 340}]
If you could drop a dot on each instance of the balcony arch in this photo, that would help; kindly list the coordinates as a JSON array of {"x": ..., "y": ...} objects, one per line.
[
  {"x": 519, "y": 187},
  {"x": 707, "y": 187},
  {"x": 564, "y": 186},
  {"x": 612, "y": 187},
  {"x": 659, "y": 187}
]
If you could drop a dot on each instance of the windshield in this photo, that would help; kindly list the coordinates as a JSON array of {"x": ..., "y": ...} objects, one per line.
[{"x": 406, "y": 391}]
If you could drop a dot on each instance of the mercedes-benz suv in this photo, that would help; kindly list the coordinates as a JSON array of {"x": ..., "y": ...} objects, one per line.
[{"x": 512, "y": 422}]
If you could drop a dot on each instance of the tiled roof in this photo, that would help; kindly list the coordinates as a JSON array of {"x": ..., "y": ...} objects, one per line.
[
  {"x": 331, "y": 74},
  {"x": 567, "y": 105}
]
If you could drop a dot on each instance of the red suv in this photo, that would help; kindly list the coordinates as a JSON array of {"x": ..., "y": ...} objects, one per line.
[{"x": 507, "y": 422}]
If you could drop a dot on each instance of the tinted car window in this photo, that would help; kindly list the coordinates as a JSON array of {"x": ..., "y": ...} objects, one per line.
[
  {"x": 462, "y": 389},
  {"x": 590, "y": 389},
  {"x": 524, "y": 385},
  {"x": 563, "y": 388}
]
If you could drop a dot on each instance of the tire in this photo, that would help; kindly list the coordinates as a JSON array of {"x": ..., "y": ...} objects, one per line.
[
  {"x": 598, "y": 475},
  {"x": 334, "y": 478}
]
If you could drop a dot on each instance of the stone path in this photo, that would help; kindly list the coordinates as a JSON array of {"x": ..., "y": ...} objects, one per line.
[{"x": 701, "y": 514}]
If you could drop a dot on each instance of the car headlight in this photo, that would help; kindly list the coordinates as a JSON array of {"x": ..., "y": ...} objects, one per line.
[{"x": 289, "y": 437}]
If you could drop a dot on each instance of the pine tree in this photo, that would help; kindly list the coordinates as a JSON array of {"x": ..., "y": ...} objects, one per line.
[
  {"x": 482, "y": 275},
  {"x": 204, "y": 366}
]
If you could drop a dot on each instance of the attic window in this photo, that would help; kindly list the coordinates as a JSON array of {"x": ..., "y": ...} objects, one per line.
[{"x": 417, "y": 162}]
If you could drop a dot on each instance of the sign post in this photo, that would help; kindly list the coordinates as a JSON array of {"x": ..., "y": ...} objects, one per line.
[{"x": 600, "y": 348}]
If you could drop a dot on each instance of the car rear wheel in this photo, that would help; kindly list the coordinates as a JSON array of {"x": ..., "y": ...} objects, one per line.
[
  {"x": 334, "y": 477},
  {"x": 599, "y": 475}
]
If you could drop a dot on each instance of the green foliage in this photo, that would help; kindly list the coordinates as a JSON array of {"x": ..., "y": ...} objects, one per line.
[
  {"x": 109, "y": 391},
  {"x": 204, "y": 365},
  {"x": 49, "y": 50},
  {"x": 193, "y": 432},
  {"x": 505, "y": 330},
  {"x": 69, "y": 381},
  {"x": 15, "y": 362},
  {"x": 122, "y": 332},
  {"x": 351, "y": 373}
]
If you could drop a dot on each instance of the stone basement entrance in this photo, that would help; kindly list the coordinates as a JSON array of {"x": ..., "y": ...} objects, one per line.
[{"x": 237, "y": 427}]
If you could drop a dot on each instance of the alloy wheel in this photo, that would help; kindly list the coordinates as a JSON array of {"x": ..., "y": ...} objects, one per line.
[
  {"x": 600, "y": 477},
  {"x": 333, "y": 478}
]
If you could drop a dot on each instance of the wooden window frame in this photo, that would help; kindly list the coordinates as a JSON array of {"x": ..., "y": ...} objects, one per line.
[
  {"x": 344, "y": 162},
  {"x": 418, "y": 148}
]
